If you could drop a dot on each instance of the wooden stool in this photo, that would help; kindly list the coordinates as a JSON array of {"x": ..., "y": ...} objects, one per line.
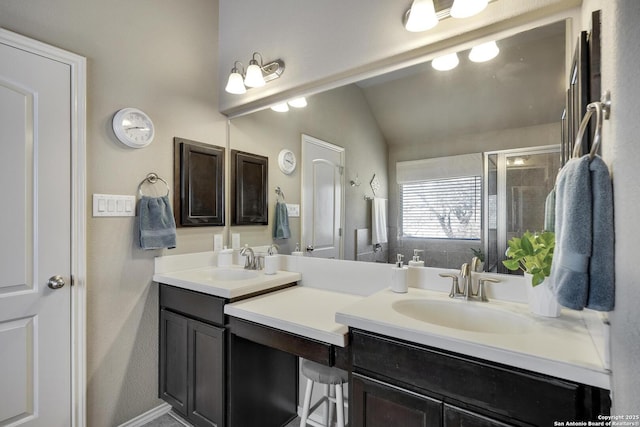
[{"x": 330, "y": 377}]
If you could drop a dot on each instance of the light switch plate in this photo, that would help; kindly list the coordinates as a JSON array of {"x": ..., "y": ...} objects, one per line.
[
  {"x": 114, "y": 205},
  {"x": 293, "y": 210}
]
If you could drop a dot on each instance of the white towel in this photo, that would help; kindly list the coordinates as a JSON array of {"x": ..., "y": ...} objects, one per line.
[{"x": 378, "y": 220}]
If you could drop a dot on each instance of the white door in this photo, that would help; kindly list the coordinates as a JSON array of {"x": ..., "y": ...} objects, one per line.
[
  {"x": 322, "y": 198},
  {"x": 35, "y": 225}
]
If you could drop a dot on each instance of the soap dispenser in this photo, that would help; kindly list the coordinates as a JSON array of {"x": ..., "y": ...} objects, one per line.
[
  {"x": 415, "y": 262},
  {"x": 272, "y": 260},
  {"x": 297, "y": 251},
  {"x": 399, "y": 276}
]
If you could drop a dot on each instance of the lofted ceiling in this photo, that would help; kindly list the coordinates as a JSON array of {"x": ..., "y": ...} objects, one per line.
[{"x": 523, "y": 86}]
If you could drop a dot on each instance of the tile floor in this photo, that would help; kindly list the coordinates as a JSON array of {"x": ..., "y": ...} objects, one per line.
[{"x": 168, "y": 420}]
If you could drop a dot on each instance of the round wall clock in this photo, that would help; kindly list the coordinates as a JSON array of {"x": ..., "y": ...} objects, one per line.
[
  {"x": 133, "y": 127},
  {"x": 287, "y": 161}
]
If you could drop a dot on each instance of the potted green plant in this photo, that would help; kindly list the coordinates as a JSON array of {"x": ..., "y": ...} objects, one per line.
[
  {"x": 480, "y": 255},
  {"x": 533, "y": 253}
]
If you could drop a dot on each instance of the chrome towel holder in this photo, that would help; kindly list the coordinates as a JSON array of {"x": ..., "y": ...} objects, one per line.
[
  {"x": 151, "y": 178},
  {"x": 602, "y": 109}
]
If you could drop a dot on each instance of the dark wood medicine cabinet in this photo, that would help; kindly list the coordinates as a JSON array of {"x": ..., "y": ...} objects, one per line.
[
  {"x": 249, "y": 198},
  {"x": 198, "y": 184}
]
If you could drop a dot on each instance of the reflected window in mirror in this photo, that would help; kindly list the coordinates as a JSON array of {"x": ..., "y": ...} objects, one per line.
[{"x": 442, "y": 208}]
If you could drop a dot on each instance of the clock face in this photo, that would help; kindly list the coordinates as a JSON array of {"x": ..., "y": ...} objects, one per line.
[
  {"x": 133, "y": 127},
  {"x": 287, "y": 161}
]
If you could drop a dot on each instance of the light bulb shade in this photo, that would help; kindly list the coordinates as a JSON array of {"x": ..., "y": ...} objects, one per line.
[
  {"x": 484, "y": 52},
  {"x": 280, "y": 108},
  {"x": 298, "y": 102},
  {"x": 467, "y": 8},
  {"x": 446, "y": 62},
  {"x": 235, "y": 84},
  {"x": 254, "y": 77},
  {"x": 422, "y": 16}
]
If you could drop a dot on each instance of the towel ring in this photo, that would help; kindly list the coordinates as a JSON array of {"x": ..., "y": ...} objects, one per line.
[
  {"x": 602, "y": 110},
  {"x": 152, "y": 178}
]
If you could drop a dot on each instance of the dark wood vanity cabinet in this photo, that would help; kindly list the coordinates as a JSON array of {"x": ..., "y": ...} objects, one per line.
[
  {"x": 192, "y": 365},
  {"x": 213, "y": 377},
  {"x": 417, "y": 385}
]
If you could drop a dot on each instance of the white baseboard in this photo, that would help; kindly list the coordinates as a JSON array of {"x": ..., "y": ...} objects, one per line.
[{"x": 148, "y": 416}]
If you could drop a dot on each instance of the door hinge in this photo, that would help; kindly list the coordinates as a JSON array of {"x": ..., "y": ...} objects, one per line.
[
  {"x": 72, "y": 280},
  {"x": 340, "y": 232}
]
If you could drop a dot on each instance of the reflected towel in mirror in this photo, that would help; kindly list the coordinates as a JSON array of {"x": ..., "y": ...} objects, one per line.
[
  {"x": 378, "y": 221},
  {"x": 281, "y": 223}
]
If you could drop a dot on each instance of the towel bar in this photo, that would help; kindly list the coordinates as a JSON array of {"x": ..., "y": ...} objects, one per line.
[
  {"x": 152, "y": 178},
  {"x": 602, "y": 110}
]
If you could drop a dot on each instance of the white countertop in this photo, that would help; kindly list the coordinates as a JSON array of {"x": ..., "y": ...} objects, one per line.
[
  {"x": 202, "y": 279},
  {"x": 301, "y": 310},
  {"x": 561, "y": 347}
]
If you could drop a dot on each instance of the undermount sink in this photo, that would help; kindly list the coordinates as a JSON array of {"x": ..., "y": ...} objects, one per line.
[
  {"x": 232, "y": 274},
  {"x": 467, "y": 316}
]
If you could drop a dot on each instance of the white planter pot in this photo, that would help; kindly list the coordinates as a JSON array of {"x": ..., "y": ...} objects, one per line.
[{"x": 541, "y": 300}]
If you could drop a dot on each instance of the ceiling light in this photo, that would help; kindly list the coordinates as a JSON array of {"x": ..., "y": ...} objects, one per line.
[
  {"x": 484, "y": 52},
  {"x": 421, "y": 16},
  {"x": 280, "y": 108},
  {"x": 446, "y": 62},
  {"x": 467, "y": 8},
  {"x": 298, "y": 102},
  {"x": 254, "y": 77},
  {"x": 235, "y": 84}
]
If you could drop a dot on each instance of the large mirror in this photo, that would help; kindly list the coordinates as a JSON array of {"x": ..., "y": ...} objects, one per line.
[{"x": 512, "y": 102}]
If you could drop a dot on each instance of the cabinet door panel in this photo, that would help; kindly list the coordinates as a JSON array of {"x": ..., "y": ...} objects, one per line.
[
  {"x": 376, "y": 404},
  {"x": 456, "y": 417},
  {"x": 173, "y": 360},
  {"x": 206, "y": 374}
]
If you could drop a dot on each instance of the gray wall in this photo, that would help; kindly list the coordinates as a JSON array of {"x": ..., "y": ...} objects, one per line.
[
  {"x": 621, "y": 62},
  {"x": 159, "y": 56},
  {"x": 341, "y": 117}
]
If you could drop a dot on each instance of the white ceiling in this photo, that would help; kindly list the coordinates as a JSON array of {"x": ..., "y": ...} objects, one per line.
[{"x": 523, "y": 86}]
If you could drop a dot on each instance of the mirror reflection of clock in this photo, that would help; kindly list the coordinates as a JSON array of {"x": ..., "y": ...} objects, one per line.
[{"x": 287, "y": 161}]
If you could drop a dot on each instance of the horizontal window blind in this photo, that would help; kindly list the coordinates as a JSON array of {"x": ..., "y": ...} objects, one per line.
[{"x": 442, "y": 208}]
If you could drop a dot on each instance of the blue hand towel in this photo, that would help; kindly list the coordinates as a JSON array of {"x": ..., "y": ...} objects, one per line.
[
  {"x": 601, "y": 267},
  {"x": 281, "y": 223},
  {"x": 157, "y": 226},
  {"x": 582, "y": 268}
]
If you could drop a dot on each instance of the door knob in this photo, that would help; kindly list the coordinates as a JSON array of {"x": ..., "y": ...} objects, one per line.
[
  {"x": 310, "y": 248},
  {"x": 55, "y": 282}
]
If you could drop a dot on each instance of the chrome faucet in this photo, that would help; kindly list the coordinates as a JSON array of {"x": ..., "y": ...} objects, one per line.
[
  {"x": 250, "y": 258},
  {"x": 466, "y": 273}
]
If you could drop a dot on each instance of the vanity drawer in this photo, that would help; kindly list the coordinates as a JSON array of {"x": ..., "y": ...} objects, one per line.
[
  {"x": 501, "y": 390},
  {"x": 193, "y": 304}
]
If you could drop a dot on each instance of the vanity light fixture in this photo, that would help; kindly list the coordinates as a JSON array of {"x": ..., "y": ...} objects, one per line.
[
  {"x": 257, "y": 74},
  {"x": 445, "y": 62},
  {"x": 484, "y": 52},
  {"x": 421, "y": 16},
  {"x": 283, "y": 107},
  {"x": 467, "y": 8},
  {"x": 254, "y": 77},
  {"x": 298, "y": 102},
  {"x": 280, "y": 108},
  {"x": 235, "y": 84}
]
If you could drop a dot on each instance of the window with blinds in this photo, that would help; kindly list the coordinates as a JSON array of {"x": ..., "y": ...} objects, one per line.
[{"x": 448, "y": 208}]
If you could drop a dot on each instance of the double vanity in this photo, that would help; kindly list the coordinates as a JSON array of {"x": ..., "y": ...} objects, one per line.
[{"x": 230, "y": 340}]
